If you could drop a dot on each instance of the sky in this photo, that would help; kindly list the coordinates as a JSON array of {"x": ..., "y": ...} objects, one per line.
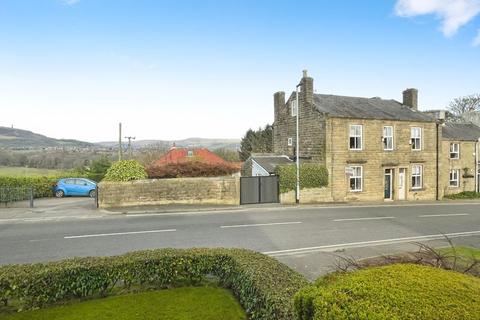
[{"x": 173, "y": 69}]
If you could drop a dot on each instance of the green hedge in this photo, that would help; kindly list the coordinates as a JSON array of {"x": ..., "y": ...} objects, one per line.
[
  {"x": 311, "y": 176},
  {"x": 18, "y": 188},
  {"x": 463, "y": 195},
  {"x": 265, "y": 287},
  {"x": 125, "y": 170},
  {"x": 399, "y": 291}
]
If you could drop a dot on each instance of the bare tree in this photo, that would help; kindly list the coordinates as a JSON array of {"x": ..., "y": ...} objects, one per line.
[{"x": 462, "y": 105}]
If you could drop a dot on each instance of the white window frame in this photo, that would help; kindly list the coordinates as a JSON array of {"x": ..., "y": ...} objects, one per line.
[
  {"x": 417, "y": 174},
  {"x": 293, "y": 107},
  {"x": 454, "y": 178},
  {"x": 416, "y": 139},
  {"x": 290, "y": 142},
  {"x": 453, "y": 151},
  {"x": 387, "y": 138},
  {"x": 355, "y": 135},
  {"x": 358, "y": 177}
]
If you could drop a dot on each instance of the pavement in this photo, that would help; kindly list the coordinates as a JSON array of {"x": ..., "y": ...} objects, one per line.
[{"x": 307, "y": 238}]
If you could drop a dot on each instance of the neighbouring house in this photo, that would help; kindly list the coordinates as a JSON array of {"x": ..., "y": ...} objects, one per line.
[
  {"x": 374, "y": 149},
  {"x": 460, "y": 160},
  {"x": 263, "y": 164},
  {"x": 181, "y": 155}
]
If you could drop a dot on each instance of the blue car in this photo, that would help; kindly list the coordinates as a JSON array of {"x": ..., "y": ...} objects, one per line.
[{"x": 75, "y": 187}]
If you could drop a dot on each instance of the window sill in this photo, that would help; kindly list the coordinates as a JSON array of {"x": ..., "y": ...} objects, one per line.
[
  {"x": 417, "y": 189},
  {"x": 355, "y": 191}
]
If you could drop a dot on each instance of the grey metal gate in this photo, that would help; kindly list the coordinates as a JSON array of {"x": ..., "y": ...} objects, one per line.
[{"x": 261, "y": 189}]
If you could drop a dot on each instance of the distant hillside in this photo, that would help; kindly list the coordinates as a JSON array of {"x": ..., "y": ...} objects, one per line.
[
  {"x": 22, "y": 139},
  {"x": 212, "y": 144}
]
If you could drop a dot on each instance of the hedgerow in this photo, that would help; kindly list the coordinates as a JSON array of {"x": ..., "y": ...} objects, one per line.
[
  {"x": 311, "y": 176},
  {"x": 399, "y": 291},
  {"x": 463, "y": 195},
  {"x": 190, "y": 169},
  {"x": 264, "y": 287},
  {"x": 125, "y": 170}
]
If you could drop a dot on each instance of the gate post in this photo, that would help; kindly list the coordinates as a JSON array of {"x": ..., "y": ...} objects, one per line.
[{"x": 31, "y": 197}]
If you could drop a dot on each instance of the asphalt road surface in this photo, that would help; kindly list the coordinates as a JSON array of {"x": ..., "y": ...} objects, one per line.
[{"x": 308, "y": 239}]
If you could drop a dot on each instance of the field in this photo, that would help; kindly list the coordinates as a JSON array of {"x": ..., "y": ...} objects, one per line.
[
  {"x": 189, "y": 303},
  {"x": 24, "y": 172}
]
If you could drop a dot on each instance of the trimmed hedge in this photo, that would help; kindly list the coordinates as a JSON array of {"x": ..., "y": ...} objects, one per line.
[
  {"x": 265, "y": 287},
  {"x": 125, "y": 170},
  {"x": 399, "y": 291},
  {"x": 42, "y": 185},
  {"x": 311, "y": 176},
  {"x": 190, "y": 169}
]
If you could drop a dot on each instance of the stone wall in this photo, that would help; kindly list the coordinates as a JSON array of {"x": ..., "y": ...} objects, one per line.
[
  {"x": 308, "y": 196},
  {"x": 466, "y": 160},
  {"x": 211, "y": 191}
]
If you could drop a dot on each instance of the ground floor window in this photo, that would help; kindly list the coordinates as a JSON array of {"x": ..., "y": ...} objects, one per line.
[
  {"x": 417, "y": 176},
  {"x": 356, "y": 178},
  {"x": 454, "y": 178}
]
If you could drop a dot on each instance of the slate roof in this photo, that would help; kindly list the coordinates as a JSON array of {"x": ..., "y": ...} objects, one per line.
[
  {"x": 269, "y": 163},
  {"x": 367, "y": 108},
  {"x": 460, "y": 131}
]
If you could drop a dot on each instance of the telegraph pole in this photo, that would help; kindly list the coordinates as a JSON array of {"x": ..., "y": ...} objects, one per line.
[
  {"x": 120, "y": 141},
  {"x": 130, "y": 146}
]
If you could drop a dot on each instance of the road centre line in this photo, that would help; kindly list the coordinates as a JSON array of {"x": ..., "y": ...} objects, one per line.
[
  {"x": 260, "y": 224},
  {"x": 118, "y": 233},
  {"x": 334, "y": 247},
  {"x": 361, "y": 219},
  {"x": 443, "y": 215}
]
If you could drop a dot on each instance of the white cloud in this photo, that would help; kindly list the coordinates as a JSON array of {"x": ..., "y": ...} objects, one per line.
[
  {"x": 70, "y": 2},
  {"x": 476, "y": 41},
  {"x": 453, "y": 13}
]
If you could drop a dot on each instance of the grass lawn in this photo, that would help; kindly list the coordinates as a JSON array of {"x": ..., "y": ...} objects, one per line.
[
  {"x": 463, "y": 252},
  {"x": 202, "y": 303},
  {"x": 23, "y": 172}
]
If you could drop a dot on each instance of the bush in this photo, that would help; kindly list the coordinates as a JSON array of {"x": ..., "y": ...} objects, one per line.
[
  {"x": 190, "y": 169},
  {"x": 263, "y": 286},
  {"x": 464, "y": 195},
  {"x": 99, "y": 168},
  {"x": 125, "y": 170},
  {"x": 311, "y": 176},
  {"x": 400, "y": 291}
]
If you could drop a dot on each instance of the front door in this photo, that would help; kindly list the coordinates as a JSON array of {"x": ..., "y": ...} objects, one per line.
[
  {"x": 401, "y": 184},
  {"x": 388, "y": 184}
]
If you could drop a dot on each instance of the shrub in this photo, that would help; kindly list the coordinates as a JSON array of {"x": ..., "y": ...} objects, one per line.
[
  {"x": 263, "y": 286},
  {"x": 400, "y": 291},
  {"x": 99, "y": 168},
  {"x": 125, "y": 170},
  {"x": 311, "y": 176},
  {"x": 190, "y": 169},
  {"x": 464, "y": 195}
]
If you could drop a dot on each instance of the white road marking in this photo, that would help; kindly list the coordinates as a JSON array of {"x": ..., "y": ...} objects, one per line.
[
  {"x": 118, "y": 234},
  {"x": 443, "y": 215},
  {"x": 334, "y": 247},
  {"x": 261, "y": 224},
  {"x": 361, "y": 219}
]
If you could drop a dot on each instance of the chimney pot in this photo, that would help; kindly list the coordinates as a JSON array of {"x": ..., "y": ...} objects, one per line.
[{"x": 305, "y": 73}]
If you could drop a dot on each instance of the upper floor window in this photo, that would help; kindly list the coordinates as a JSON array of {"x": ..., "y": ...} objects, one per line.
[
  {"x": 356, "y": 137},
  {"x": 416, "y": 138},
  {"x": 454, "y": 178},
  {"x": 454, "y": 150},
  {"x": 293, "y": 107},
  {"x": 356, "y": 178},
  {"x": 388, "y": 138},
  {"x": 417, "y": 182}
]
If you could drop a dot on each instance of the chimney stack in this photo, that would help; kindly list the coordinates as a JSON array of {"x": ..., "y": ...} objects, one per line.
[
  {"x": 307, "y": 88},
  {"x": 410, "y": 98}
]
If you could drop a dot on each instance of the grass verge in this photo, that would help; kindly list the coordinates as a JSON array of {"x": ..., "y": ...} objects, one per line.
[{"x": 188, "y": 303}]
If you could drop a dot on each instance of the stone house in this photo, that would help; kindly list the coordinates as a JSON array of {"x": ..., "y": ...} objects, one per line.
[
  {"x": 460, "y": 147},
  {"x": 374, "y": 149}
]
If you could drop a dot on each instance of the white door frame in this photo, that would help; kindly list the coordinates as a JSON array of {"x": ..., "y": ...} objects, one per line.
[
  {"x": 402, "y": 184},
  {"x": 391, "y": 182}
]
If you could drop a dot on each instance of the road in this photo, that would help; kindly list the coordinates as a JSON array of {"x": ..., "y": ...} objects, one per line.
[{"x": 306, "y": 238}]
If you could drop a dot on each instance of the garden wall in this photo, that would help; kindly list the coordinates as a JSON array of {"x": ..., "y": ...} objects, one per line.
[
  {"x": 214, "y": 191},
  {"x": 313, "y": 195}
]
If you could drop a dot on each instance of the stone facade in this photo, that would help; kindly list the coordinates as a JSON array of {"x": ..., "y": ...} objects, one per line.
[
  {"x": 325, "y": 139},
  {"x": 211, "y": 191},
  {"x": 310, "y": 196},
  {"x": 464, "y": 165}
]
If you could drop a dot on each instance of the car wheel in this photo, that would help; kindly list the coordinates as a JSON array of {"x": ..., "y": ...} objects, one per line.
[
  {"x": 92, "y": 193},
  {"x": 59, "y": 194}
]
